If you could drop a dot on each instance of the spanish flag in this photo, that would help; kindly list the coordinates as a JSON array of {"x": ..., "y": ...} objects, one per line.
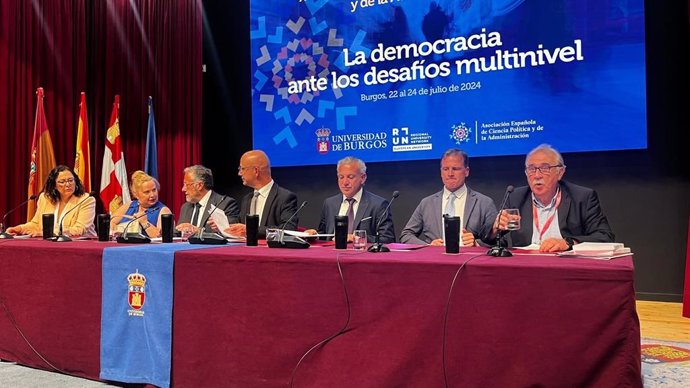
[
  {"x": 82, "y": 160},
  {"x": 42, "y": 155},
  {"x": 114, "y": 191}
]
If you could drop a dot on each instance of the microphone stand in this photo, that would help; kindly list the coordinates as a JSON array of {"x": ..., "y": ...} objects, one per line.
[
  {"x": 378, "y": 246},
  {"x": 211, "y": 238},
  {"x": 288, "y": 241},
  {"x": 499, "y": 250},
  {"x": 3, "y": 234},
  {"x": 62, "y": 237},
  {"x": 138, "y": 238}
]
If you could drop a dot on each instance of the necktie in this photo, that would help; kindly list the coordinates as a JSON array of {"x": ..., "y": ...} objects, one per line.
[
  {"x": 195, "y": 213},
  {"x": 252, "y": 206},
  {"x": 350, "y": 214},
  {"x": 450, "y": 206}
]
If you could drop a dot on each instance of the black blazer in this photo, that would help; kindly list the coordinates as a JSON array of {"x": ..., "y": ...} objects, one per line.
[
  {"x": 225, "y": 203},
  {"x": 371, "y": 205},
  {"x": 579, "y": 215},
  {"x": 280, "y": 205}
]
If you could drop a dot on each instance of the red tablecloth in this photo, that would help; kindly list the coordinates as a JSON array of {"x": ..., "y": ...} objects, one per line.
[
  {"x": 244, "y": 316},
  {"x": 52, "y": 291}
]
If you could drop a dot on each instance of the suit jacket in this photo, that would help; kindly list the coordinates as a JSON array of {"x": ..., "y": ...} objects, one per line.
[
  {"x": 79, "y": 222},
  {"x": 281, "y": 204},
  {"x": 426, "y": 223},
  {"x": 579, "y": 215},
  {"x": 371, "y": 205},
  {"x": 228, "y": 205}
]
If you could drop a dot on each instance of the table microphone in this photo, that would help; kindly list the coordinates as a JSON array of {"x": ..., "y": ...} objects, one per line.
[
  {"x": 62, "y": 237},
  {"x": 3, "y": 234},
  {"x": 208, "y": 238},
  {"x": 377, "y": 246},
  {"x": 138, "y": 238},
  {"x": 288, "y": 241},
  {"x": 499, "y": 250}
]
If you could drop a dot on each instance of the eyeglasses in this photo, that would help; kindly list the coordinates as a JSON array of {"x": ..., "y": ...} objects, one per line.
[
  {"x": 65, "y": 182},
  {"x": 187, "y": 184},
  {"x": 545, "y": 169},
  {"x": 240, "y": 168}
]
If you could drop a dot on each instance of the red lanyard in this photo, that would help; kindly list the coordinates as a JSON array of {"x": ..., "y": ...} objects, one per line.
[{"x": 549, "y": 220}]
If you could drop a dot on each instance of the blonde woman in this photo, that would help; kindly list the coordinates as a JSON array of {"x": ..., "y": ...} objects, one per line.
[{"x": 144, "y": 188}]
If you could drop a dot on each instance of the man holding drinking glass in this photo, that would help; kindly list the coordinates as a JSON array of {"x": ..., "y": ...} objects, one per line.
[{"x": 555, "y": 214}]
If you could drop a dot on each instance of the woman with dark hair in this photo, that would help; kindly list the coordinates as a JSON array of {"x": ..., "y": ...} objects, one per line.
[{"x": 62, "y": 192}]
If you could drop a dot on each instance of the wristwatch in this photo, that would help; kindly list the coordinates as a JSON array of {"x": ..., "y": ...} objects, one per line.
[{"x": 146, "y": 225}]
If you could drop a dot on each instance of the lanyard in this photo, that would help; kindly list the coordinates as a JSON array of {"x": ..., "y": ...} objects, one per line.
[{"x": 549, "y": 220}]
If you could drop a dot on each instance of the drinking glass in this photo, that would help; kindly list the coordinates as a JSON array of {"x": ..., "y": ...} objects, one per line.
[
  {"x": 513, "y": 219},
  {"x": 359, "y": 240}
]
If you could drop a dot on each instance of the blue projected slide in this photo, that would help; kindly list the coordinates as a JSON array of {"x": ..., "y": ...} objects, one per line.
[{"x": 389, "y": 80}]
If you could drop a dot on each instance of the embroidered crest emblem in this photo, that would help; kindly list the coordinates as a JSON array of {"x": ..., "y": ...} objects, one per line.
[{"x": 137, "y": 290}]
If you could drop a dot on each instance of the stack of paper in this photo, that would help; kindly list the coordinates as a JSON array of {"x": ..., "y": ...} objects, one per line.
[{"x": 598, "y": 250}]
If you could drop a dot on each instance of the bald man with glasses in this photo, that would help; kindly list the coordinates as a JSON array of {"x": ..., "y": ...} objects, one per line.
[
  {"x": 555, "y": 214},
  {"x": 273, "y": 204}
]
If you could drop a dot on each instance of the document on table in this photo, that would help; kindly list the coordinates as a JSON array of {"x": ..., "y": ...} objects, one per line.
[
  {"x": 597, "y": 250},
  {"x": 303, "y": 234},
  {"x": 401, "y": 247},
  {"x": 219, "y": 218},
  {"x": 531, "y": 247}
]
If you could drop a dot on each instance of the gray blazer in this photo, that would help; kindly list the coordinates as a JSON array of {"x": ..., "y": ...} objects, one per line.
[
  {"x": 228, "y": 205},
  {"x": 426, "y": 223}
]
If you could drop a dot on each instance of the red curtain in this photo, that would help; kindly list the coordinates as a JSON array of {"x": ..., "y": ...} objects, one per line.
[{"x": 134, "y": 48}]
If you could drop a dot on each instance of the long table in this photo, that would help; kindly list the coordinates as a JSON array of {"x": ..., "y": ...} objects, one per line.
[{"x": 247, "y": 316}]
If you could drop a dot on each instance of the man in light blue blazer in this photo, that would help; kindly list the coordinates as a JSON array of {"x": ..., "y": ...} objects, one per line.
[
  {"x": 365, "y": 210},
  {"x": 477, "y": 212}
]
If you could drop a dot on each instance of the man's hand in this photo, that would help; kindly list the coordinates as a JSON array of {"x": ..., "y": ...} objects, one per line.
[
  {"x": 554, "y": 245},
  {"x": 187, "y": 228},
  {"x": 239, "y": 230},
  {"x": 436, "y": 243},
  {"x": 467, "y": 238},
  {"x": 213, "y": 225}
]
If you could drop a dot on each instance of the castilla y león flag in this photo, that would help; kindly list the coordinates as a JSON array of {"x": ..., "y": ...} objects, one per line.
[{"x": 114, "y": 191}]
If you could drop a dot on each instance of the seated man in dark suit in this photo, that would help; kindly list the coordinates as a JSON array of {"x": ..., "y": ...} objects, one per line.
[
  {"x": 197, "y": 186},
  {"x": 274, "y": 204},
  {"x": 554, "y": 214},
  {"x": 477, "y": 212},
  {"x": 364, "y": 209}
]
